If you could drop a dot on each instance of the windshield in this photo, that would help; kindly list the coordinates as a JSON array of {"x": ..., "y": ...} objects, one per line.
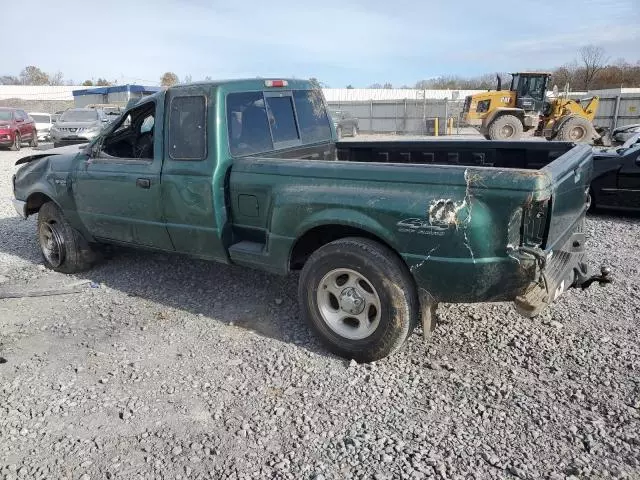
[
  {"x": 5, "y": 115},
  {"x": 40, "y": 118},
  {"x": 79, "y": 116}
]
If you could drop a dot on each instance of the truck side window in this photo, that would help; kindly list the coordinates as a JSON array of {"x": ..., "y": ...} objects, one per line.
[
  {"x": 312, "y": 116},
  {"x": 282, "y": 119},
  {"x": 248, "y": 124},
  {"x": 188, "y": 128}
]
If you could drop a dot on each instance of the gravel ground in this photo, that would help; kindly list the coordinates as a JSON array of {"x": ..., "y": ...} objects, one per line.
[{"x": 166, "y": 367}]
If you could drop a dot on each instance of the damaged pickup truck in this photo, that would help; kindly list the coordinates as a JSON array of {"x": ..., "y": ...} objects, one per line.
[{"x": 249, "y": 172}]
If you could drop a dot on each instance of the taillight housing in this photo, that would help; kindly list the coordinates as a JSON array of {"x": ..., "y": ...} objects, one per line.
[
  {"x": 535, "y": 223},
  {"x": 276, "y": 83}
]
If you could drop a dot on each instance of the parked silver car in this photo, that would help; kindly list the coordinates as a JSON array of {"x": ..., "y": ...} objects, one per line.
[{"x": 77, "y": 125}]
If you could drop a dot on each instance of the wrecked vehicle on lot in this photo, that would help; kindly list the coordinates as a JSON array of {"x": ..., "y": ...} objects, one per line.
[
  {"x": 616, "y": 177},
  {"x": 249, "y": 172}
]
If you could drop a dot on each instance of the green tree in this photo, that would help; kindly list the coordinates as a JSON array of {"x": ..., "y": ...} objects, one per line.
[
  {"x": 169, "y": 79},
  {"x": 87, "y": 83},
  {"x": 350, "y": 87}
]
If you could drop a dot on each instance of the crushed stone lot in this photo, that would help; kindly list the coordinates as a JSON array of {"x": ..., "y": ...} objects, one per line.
[{"x": 167, "y": 367}]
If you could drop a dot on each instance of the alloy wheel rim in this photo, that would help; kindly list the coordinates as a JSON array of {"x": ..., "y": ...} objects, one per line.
[{"x": 349, "y": 303}]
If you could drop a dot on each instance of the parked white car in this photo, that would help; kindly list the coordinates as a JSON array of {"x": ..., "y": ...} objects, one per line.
[{"x": 43, "y": 121}]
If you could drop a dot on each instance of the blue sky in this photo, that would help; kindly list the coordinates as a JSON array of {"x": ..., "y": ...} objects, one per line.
[{"x": 343, "y": 42}]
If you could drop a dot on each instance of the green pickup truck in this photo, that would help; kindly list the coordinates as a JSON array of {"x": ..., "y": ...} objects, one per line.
[{"x": 248, "y": 172}]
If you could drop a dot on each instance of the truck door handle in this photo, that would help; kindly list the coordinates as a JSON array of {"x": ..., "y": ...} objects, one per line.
[{"x": 143, "y": 183}]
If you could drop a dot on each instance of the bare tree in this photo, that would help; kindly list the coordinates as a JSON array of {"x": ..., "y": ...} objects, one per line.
[
  {"x": 169, "y": 79},
  {"x": 56, "y": 79},
  {"x": 387, "y": 86},
  {"x": 103, "y": 82},
  {"x": 594, "y": 60},
  {"x": 187, "y": 79},
  {"x": 9, "y": 80}
]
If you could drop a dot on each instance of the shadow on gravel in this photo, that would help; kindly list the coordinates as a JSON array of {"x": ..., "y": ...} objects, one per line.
[{"x": 250, "y": 299}]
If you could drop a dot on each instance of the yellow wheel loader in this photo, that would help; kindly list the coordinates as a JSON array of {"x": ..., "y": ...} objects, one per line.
[{"x": 507, "y": 114}]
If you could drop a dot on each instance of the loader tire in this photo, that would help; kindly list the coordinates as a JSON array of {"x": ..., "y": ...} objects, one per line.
[
  {"x": 576, "y": 129},
  {"x": 505, "y": 127}
]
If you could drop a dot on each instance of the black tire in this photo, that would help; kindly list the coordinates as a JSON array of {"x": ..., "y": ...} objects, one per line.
[
  {"x": 63, "y": 248},
  {"x": 17, "y": 143},
  {"x": 592, "y": 198},
  {"x": 392, "y": 285},
  {"x": 34, "y": 140},
  {"x": 339, "y": 132},
  {"x": 575, "y": 129},
  {"x": 505, "y": 127}
]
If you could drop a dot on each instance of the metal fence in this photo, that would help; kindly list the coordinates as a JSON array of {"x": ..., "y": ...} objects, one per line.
[
  {"x": 418, "y": 117},
  {"x": 405, "y": 117}
]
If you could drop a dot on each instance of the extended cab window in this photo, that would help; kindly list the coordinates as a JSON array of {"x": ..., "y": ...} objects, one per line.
[
  {"x": 312, "y": 116},
  {"x": 188, "y": 128}
]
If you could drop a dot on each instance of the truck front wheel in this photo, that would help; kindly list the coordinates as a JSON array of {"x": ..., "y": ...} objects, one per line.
[
  {"x": 505, "y": 127},
  {"x": 63, "y": 248},
  {"x": 359, "y": 297}
]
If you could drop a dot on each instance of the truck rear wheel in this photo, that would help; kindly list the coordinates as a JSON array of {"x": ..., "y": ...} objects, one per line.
[
  {"x": 63, "y": 248},
  {"x": 576, "y": 129},
  {"x": 505, "y": 127},
  {"x": 359, "y": 297}
]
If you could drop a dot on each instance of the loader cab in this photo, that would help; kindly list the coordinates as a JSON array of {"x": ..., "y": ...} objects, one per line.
[{"x": 530, "y": 90}]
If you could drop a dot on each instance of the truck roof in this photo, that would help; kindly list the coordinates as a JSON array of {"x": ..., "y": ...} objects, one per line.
[{"x": 250, "y": 83}]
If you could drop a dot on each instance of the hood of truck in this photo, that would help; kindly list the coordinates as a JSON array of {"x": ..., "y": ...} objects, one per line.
[{"x": 72, "y": 150}]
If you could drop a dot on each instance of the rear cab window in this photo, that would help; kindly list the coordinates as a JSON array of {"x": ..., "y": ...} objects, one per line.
[{"x": 264, "y": 121}]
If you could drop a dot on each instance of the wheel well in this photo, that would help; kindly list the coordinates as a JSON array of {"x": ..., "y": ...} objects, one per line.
[
  {"x": 319, "y": 236},
  {"x": 519, "y": 114},
  {"x": 35, "y": 201}
]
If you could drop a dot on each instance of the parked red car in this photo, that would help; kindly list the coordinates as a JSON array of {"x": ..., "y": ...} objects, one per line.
[{"x": 16, "y": 127}]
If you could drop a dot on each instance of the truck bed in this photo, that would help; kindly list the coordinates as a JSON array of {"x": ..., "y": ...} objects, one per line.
[{"x": 474, "y": 153}]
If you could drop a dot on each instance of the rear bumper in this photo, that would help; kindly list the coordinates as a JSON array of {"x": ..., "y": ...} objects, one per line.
[
  {"x": 531, "y": 278},
  {"x": 556, "y": 272}
]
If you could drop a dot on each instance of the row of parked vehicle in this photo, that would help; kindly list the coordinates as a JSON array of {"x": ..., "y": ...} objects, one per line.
[{"x": 71, "y": 126}]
